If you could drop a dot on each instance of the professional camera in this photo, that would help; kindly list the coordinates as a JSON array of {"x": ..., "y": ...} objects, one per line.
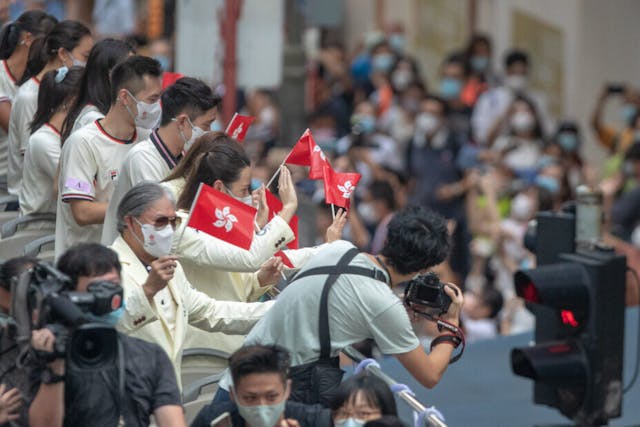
[
  {"x": 73, "y": 317},
  {"x": 427, "y": 290}
]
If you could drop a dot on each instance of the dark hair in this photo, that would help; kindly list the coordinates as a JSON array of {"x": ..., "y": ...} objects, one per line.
[
  {"x": 224, "y": 161},
  {"x": 515, "y": 56},
  {"x": 200, "y": 147},
  {"x": 95, "y": 87},
  {"x": 439, "y": 100},
  {"x": 457, "y": 58},
  {"x": 129, "y": 74},
  {"x": 382, "y": 190},
  {"x": 417, "y": 238},
  {"x": 375, "y": 391},
  {"x": 492, "y": 298},
  {"x": 386, "y": 421},
  {"x": 14, "y": 267},
  {"x": 537, "y": 129},
  {"x": 53, "y": 94},
  {"x": 36, "y": 22},
  {"x": 633, "y": 152},
  {"x": 188, "y": 95},
  {"x": 89, "y": 260},
  {"x": 259, "y": 359},
  {"x": 65, "y": 34}
]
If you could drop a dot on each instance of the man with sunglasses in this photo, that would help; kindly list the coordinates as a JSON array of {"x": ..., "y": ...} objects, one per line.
[
  {"x": 159, "y": 301},
  {"x": 83, "y": 397}
]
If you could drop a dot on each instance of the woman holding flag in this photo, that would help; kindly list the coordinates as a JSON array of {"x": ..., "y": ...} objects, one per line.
[{"x": 223, "y": 241}]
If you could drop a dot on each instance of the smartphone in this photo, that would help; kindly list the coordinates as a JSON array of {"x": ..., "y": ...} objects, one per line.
[
  {"x": 224, "y": 420},
  {"x": 615, "y": 88}
]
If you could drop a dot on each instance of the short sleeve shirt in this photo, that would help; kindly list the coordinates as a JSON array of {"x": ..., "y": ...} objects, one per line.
[
  {"x": 91, "y": 396},
  {"x": 87, "y": 115},
  {"x": 40, "y": 167},
  {"x": 149, "y": 160},
  {"x": 89, "y": 170},
  {"x": 8, "y": 90},
  {"x": 359, "y": 308},
  {"x": 23, "y": 109}
]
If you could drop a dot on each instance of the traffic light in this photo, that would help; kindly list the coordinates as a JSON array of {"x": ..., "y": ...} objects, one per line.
[{"x": 576, "y": 363}]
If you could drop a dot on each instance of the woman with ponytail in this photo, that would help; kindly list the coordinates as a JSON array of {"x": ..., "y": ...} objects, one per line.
[
  {"x": 67, "y": 44},
  {"x": 15, "y": 40},
  {"x": 94, "y": 94}
]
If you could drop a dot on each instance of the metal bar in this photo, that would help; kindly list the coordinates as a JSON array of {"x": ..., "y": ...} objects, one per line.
[{"x": 356, "y": 356}]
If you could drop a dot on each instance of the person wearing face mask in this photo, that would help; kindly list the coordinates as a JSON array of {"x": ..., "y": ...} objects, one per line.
[
  {"x": 73, "y": 397},
  {"x": 188, "y": 109},
  {"x": 486, "y": 120},
  {"x": 454, "y": 76},
  {"x": 259, "y": 394},
  {"x": 360, "y": 399},
  {"x": 617, "y": 139},
  {"x": 478, "y": 56},
  {"x": 66, "y": 41},
  {"x": 92, "y": 156},
  {"x": 160, "y": 303}
]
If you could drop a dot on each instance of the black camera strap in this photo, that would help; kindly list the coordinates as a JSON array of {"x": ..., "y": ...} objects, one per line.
[{"x": 334, "y": 271}]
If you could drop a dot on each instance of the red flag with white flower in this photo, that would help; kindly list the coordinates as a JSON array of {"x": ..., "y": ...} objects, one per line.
[
  {"x": 275, "y": 206},
  {"x": 307, "y": 153},
  {"x": 238, "y": 126},
  {"x": 339, "y": 186},
  {"x": 222, "y": 216}
]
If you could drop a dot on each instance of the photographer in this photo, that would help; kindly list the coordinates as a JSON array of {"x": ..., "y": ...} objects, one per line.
[
  {"x": 359, "y": 307},
  {"x": 94, "y": 396}
]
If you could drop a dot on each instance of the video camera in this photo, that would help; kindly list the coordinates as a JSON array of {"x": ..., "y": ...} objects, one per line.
[
  {"x": 427, "y": 290},
  {"x": 73, "y": 317}
]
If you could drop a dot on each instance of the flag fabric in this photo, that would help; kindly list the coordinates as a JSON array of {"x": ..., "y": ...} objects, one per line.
[
  {"x": 275, "y": 206},
  {"x": 338, "y": 187},
  {"x": 238, "y": 126},
  {"x": 223, "y": 217},
  {"x": 307, "y": 153},
  {"x": 285, "y": 259},
  {"x": 169, "y": 78}
]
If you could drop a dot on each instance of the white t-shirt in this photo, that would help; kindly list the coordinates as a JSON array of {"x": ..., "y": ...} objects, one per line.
[
  {"x": 89, "y": 168},
  {"x": 150, "y": 160},
  {"x": 359, "y": 308},
  {"x": 88, "y": 114},
  {"x": 40, "y": 167},
  {"x": 22, "y": 112},
  {"x": 8, "y": 90}
]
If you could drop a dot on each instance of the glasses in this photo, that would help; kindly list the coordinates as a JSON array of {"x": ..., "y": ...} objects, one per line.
[
  {"x": 162, "y": 222},
  {"x": 360, "y": 414}
]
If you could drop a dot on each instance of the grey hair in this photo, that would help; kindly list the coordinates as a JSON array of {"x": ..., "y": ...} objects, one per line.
[{"x": 139, "y": 199}]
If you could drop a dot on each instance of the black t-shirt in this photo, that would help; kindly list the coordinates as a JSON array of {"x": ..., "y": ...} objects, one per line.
[{"x": 92, "y": 397}]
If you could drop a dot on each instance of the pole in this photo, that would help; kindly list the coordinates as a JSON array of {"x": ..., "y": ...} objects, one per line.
[
  {"x": 356, "y": 356},
  {"x": 229, "y": 33}
]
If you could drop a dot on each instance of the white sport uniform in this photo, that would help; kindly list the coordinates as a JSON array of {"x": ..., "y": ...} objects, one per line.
[
  {"x": 8, "y": 90},
  {"x": 149, "y": 160},
  {"x": 40, "y": 167},
  {"x": 89, "y": 168},
  {"x": 24, "y": 108},
  {"x": 88, "y": 114}
]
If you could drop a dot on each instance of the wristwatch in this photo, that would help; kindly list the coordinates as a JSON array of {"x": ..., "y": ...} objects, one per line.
[{"x": 48, "y": 377}]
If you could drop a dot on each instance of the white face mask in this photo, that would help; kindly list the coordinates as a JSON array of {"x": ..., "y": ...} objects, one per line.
[
  {"x": 522, "y": 121},
  {"x": 156, "y": 242},
  {"x": 76, "y": 62},
  {"x": 261, "y": 415},
  {"x": 521, "y": 207},
  {"x": 427, "y": 123},
  {"x": 401, "y": 79},
  {"x": 367, "y": 212},
  {"x": 516, "y": 82},
  {"x": 148, "y": 114},
  {"x": 349, "y": 422},
  {"x": 247, "y": 200},
  {"x": 196, "y": 132}
]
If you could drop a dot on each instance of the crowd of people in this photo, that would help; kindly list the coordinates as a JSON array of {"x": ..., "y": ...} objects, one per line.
[{"x": 451, "y": 175}]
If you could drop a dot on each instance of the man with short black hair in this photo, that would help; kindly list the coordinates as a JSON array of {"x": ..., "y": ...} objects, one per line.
[
  {"x": 91, "y": 397},
  {"x": 260, "y": 391},
  {"x": 92, "y": 156},
  {"x": 359, "y": 307},
  {"x": 188, "y": 109}
]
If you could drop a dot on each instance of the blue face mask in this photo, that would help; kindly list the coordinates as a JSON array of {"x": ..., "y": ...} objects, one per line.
[
  {"x": 215, "y": 126},
  {"x": 568, "y": 141},
  {"x": 111, "y": 318},
  {"x": 367, "y": 123},
  {"x": 546, "y": 160},
  {"x": 397, "y": 42},
  {"x": 382, "y": 62},
  {"x": 627, "y": 113},
  {"x": 479, "y": 63},
  {"x": 164, "y": 61},
  {"x": 349, "y": 422},
  {"x": 549, "y": 183},
  {"x": 450, "y": 88}
]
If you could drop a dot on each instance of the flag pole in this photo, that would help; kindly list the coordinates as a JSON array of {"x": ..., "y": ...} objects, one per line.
[
  {"x": 230, "y": 121},
  {"x": 177, "y": 245},
  {"x": 333, "y": 211},
  {"x": 277, "y": 171}
]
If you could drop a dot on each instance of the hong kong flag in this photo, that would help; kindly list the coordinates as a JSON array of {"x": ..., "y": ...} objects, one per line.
[
  {"x": 339, "y": 186},
  {"x": 307, "y": 153},
  {"x": 222, "y": 216},
  {"x": 275, "y": 206},
  {"x": 169, "y": 78},
  {"x": 238, "y": 126}
]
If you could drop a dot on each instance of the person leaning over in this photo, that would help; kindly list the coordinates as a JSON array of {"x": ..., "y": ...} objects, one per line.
[{"x": 159, "y": 301}]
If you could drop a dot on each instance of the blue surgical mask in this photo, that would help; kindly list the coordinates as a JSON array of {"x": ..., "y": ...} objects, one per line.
[
  {"x": 397, "y": 42},
  {"x": 546, "y": 160},
  {"x": 549, "y": 183},
  {"x": 261, "y": 415},
  {"x": 164, "y": 61},
  {"x": 627, "y": 113},
  {"x": 111, "y": 318},
  {"x": 349, "y": 422},
  {"x": 216, "y": 126},
  {"x": 479, "y": 63},
  {"x": 568, "y": 141},
  {"x": 450, "y": 88},
  {"x": 367, "y": 123},
  {"x": 382, "y": 62}
]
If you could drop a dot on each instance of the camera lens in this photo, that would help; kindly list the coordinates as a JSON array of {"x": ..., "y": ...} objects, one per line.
[{"x": 93, "y": 346}]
